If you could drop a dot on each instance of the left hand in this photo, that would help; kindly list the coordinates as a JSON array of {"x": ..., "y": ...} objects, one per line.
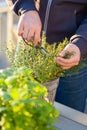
[
  {"x": 73, "y": 60},
  {"x": 29, "y": 26}
]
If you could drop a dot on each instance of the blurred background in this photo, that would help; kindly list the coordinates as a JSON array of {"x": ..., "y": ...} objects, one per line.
[{"x": 8, "y": 31}]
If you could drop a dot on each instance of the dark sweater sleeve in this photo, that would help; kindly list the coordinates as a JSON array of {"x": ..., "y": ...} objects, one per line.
[
  {"x": 82, "y": 44},
  {"x": 21, "y": 6},
  {"x": 80, "y": 37}
]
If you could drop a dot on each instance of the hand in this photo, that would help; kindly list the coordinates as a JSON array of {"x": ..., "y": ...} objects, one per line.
[
  {"x": 73, "y": 60},
  {"x": 29, "y": 26}
]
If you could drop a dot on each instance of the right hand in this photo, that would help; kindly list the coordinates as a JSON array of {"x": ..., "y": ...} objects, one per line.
[
  {"x": 72, "y": 60},
  {"x": 29, "y": 26}
]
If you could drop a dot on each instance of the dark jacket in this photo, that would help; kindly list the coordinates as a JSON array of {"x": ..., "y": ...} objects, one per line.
[{"x": 68, "y": 18}]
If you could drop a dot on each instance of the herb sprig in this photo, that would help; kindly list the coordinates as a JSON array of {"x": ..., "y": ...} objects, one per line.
[{"x": 43, "y": 65}]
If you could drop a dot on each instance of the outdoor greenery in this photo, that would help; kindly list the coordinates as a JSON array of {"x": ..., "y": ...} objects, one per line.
[
  {"x": 23, "y": 98},
  {"x": 41, "y": 59},
  {"x": 23, "y": 102}
]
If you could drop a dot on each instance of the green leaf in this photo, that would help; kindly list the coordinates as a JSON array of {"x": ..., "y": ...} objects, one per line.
[{"x": 6, "y": 96}]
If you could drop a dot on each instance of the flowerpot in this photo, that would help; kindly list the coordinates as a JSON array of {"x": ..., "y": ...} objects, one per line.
[{"x": 51, "y": 87}]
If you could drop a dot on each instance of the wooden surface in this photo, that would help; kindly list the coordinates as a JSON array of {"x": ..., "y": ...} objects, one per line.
[{"x": 70, "y": 119}]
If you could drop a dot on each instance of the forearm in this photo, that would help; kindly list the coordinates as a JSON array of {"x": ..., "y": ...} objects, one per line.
[{"x": 21, "y": 6}]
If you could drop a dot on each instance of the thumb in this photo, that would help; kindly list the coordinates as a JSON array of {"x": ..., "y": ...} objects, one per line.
[{"x": 63, "y": 53}]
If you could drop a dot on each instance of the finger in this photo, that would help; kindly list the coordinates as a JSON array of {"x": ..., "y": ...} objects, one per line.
[
  {"x": 36, "y": 38},
  {"x": 20, "y": 29},
  {"x": 30, "y": 35},
  {"x": 63, "y": 53},
  {"x": 25, "y": 33},
  {"x": 66, "y": 64},
  {"x": 72, "y": 59},
  {"x": 68, "y": 67},
  {"x": 65, "y": 68}
]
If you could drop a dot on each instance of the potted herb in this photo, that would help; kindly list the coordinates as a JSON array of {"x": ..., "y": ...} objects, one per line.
[
  {"x": 41, "y": 62},
  {"x": 23, "y": 103}
]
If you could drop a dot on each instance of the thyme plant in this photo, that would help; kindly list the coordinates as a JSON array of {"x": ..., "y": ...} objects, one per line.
[{"x": 40, "y": 61}]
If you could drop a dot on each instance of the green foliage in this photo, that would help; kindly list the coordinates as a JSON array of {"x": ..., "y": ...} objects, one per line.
[
  {"x": 42, "y": 64},
  {"x": 40, "y": 61},
  {"x": 23, "y": 103}
]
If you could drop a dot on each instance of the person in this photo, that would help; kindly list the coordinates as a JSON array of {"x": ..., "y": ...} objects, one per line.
[{"x": 67, "y": 18}]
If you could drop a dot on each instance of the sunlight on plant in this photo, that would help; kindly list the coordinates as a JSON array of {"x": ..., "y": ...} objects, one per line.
[
  {"x": 22, "y": 102},
  {"x": 40, "y": 59}
]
